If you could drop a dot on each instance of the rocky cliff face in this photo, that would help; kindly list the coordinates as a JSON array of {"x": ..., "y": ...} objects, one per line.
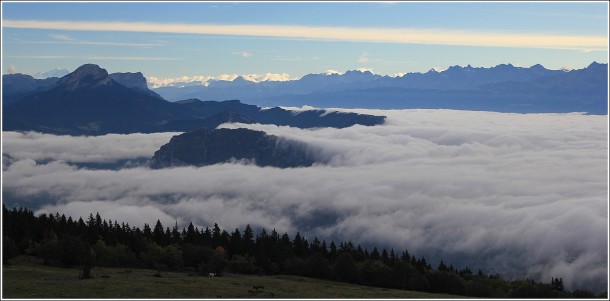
[
  {"x": 88, "y": 101},
  {"x": 134, "y": 80},
  {"x": 213, "y": 146},
  {"x": 85, "y": 76}
]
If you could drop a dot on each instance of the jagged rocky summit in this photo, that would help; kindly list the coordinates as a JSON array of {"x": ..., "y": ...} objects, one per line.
[
  {"x": 503, "y": 88},
  {"x": 212, "y": 146},
  {"x": 89, "y": 101}
]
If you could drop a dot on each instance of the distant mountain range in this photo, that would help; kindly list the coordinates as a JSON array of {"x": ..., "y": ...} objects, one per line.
[
  {"x": 503, "y": 88},
  {"x": 17, "y": 86},
  {"x": 212, "y": 146},
  {"x": 89, "y": 101}
]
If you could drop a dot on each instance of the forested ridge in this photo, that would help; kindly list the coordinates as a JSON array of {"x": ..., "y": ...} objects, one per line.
[{"x": 61, "y": 240}]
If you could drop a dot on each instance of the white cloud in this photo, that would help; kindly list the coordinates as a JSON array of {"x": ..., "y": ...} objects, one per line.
[
  {"x": 96, "y": 57},
  {"x": 440, "y": 36},
  {"x": 61, "y": 37},
  {"x": 38, "y": 57},
  {"x": 365, "y": 69},
  {"x": 245, "y": 54},
  {"x": 107, "y": 148},
  {"x": 155, "y": 82},
  {"x": 11, "y": 69},
  {"x": 289, "y": 59},
  {"x": 131, "y": 58},
  {"x": 66, "y": 39},
  {"x": 520, "y": 194},
  {"x": 279, "y": 77},
  {"x": 363, "y": 58}
]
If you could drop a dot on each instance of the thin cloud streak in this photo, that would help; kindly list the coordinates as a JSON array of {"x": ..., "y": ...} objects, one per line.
[
  {"x": 38, "y": 57},
  {"x": 76, "y": 42},
  {"x": 107, "y": 148},
  {"x": 132, "y": 58},
  {"x": 62, "y": 39},
  {"x": 377, "y": 35},
  {"x": 95, "y": 57}
]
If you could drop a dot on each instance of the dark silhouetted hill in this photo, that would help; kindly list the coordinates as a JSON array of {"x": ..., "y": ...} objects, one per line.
[
  {"x": 213, "y": 146},
  {"x": 89, "y": 101}
]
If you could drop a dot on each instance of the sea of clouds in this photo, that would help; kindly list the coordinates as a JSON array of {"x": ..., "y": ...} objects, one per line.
[{"x": 523, "y": 195}]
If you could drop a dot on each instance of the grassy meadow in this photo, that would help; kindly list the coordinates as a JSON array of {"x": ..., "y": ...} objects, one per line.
[{"x": 27, "y": 277}]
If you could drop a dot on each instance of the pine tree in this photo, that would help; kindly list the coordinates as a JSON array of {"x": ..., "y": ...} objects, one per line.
[
  {"x": 216, "y": 236},
  {"x": 158, "y": 233},
  {"x": 375, "y": 254},
  {"x": 175, "y": 238},
  {"x": 385, "y": 257},
  {"x": 190, "y": 234},
  {"x": 442, "y": 267},
  {"x": 248, "y": 240},
  {"x": 301, "y": 246},
  {"x": 333, "y": 250},
  {"x": 557, "y": 284},
  {"x": 235, "y": 247}
]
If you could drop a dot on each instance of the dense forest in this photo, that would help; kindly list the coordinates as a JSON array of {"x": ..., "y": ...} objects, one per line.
[{"x": 61, "y": 240}]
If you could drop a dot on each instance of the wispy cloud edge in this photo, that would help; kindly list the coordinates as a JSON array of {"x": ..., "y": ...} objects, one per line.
[{"x": 376, "y": 35}]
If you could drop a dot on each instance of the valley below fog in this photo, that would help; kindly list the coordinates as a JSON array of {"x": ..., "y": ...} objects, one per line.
[{"x": 522, "y": 195}]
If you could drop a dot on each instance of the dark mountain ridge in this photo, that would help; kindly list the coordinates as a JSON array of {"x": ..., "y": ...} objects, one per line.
[
  {"x": 16, "y": 86},
  {"x": 134, "y": 80},
  {"x": 280, "y": 116},
  {"x": 503, "y": 88},
  {"x": 89, "y": 101},
  {"x": 213, "y": 146}
]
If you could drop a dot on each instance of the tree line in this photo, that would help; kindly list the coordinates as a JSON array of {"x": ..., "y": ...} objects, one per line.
[{"x": 61, "y": 240}]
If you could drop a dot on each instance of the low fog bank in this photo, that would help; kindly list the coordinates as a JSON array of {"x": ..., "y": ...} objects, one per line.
[
  {"x": 80, "y": 149},
  {"x": 519, "y": 194}
]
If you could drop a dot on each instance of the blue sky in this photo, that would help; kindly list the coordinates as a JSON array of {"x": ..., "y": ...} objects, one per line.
[{"x": 288, "y": 40}]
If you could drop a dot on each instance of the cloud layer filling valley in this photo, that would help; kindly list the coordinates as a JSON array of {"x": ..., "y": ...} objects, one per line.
[{"x": 519, "y": 194}]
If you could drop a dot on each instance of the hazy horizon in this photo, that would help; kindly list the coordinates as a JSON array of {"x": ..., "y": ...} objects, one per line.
[
  {"x": 154, "y": 82},
  {"x": 289, "y": 40}
]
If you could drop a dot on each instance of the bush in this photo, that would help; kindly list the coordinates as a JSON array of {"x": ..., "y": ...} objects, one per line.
[
  {"x": 295, "y": 266},
  {"x": 9, "y": 249},
  {"x": 418, "y": 282},
  {"x": 479, "y": 287},
  {"x": 215, "y": 263},
  {"x": 241, "y": 265},
  {"x": 446, "y": 282},
  {"x": 345, "y": 268},
  {"x": 72, "y": 251},
  {"x": 114, "y": 256},
  {"x": 582, "y": 294},
  {"x": 318, "y": 267},
  {"x": 526, "y": 289}
]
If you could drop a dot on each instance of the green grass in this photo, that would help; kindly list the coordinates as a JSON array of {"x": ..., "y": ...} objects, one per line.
[{"x": 27, "y": 277}]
